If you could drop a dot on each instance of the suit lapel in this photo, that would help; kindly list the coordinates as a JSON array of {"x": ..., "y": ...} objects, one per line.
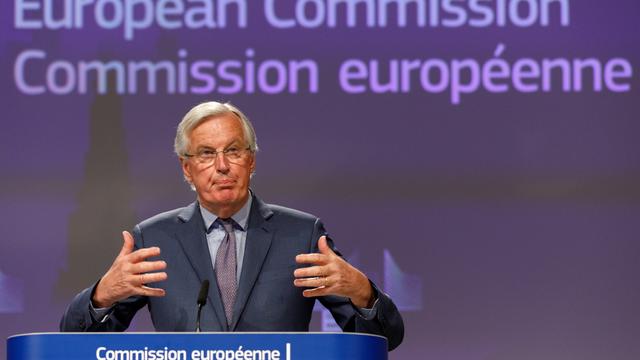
[
  {"x": 193, "y": 240},
  {"x": 259, "y": 236}
]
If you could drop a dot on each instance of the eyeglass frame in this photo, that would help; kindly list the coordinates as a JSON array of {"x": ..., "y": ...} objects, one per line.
[{"x": 214, "y": 155}]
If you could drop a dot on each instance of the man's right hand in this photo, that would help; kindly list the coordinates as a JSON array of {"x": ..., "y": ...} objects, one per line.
[{"x": 129, "y": 275}]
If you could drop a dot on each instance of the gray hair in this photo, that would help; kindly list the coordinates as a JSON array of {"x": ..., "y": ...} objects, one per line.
[{"x": 204, "y": 111}]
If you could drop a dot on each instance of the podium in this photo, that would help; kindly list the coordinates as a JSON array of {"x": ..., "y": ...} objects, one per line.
[{"x": 196, "y": 346}]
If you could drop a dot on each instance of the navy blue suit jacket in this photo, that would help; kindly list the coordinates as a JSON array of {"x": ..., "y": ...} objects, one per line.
[{"x": 266, "y": 299}]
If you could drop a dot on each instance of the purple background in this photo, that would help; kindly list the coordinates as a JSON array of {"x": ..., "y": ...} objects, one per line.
[{"x": 514, "y": 215}]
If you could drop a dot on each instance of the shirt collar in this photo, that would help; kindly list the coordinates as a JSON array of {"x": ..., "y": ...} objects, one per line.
[{"x": 241, "y": 217}]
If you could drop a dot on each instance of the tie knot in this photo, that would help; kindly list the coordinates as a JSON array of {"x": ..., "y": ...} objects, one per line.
[{"x": 227, "y": 224}]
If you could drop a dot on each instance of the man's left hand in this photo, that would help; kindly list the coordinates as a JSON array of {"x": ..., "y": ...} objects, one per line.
[{"x": 329, "y": 274}]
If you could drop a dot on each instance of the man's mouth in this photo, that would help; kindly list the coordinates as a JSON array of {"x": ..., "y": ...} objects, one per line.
[{"x": 225, "y": 182}]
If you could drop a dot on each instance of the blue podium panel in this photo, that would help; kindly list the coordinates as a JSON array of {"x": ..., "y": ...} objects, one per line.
[{"x": 196, "y": 346}]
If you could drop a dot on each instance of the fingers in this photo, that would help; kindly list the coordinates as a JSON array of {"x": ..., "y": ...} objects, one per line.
[
  {"x": 130, "y": 273},
  {"x": 316, "y": 292},
  {"x": 312, "y": 271},
  {"x": 155, "y": 277},
  {"x": 142, "y": 279},
  {"x": 138, "y": 255},
  {"x": 321, "y": 258},
  {"x": 317, "y": 259},
  {"x": 323, "y": 246},
  {"x": 149, "y": 291},
  {"x": 142, "y": 254},
  {"x": 321, "y": 286},
  {"x": 316, "y": 277},
  {"x": 312, "y": 282},
  {"x": 330, "y": 275},
  {"x": 147, "y": 266},
  {"x": 127, "y": 246}
]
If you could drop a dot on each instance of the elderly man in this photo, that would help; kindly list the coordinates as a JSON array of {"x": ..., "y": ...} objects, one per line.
[{"x": 267, "y": 264}]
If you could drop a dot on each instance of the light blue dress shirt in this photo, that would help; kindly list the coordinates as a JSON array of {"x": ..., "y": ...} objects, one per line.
[{"x": 217, "y": 234}]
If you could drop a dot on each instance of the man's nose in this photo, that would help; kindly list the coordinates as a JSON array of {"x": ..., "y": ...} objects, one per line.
[{"x": 221, "y": 163}]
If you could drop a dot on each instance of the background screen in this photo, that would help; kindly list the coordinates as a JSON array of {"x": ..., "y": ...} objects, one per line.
[{"x": 478, "y": 159}]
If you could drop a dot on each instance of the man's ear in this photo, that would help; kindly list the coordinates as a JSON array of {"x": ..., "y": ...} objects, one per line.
[
  {"x": 252, "y": 163},
  {"x": 186, "y": 171}
]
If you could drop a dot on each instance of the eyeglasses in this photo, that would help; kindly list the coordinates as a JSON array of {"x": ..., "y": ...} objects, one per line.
[{"x": 208, "y": 156}]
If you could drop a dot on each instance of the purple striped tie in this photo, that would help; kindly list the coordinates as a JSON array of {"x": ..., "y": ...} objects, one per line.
[{"x": 226, "y": 269}]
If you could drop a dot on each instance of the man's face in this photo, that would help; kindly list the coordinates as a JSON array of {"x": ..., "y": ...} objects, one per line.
[{"x": 222, "y": 185}]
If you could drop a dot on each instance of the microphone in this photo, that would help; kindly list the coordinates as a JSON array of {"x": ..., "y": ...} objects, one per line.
[{"x": 202, "y": 301}]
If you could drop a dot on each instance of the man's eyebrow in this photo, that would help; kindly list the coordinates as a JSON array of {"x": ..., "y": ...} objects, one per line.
[{"x": 207, "y": 147}]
